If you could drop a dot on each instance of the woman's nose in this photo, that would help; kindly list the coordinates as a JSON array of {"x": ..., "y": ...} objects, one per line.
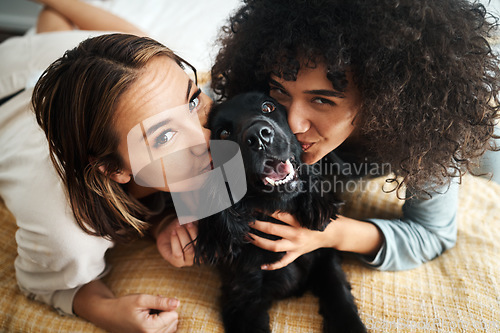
[
  {"x": 200, "y": 147},
  {"x": 298, "y": 119}
]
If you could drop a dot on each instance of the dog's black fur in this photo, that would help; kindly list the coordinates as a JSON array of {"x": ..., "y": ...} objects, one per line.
[{"x": 247, "y": 291}]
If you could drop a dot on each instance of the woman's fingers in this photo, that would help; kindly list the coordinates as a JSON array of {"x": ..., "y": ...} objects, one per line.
[
  {"x": 163, "y": 310},
  {"x": 286, "y": 217},
  {"x": 270, "y": 228},
  {"x": 192, "y": 229},
  {"x": 189, "y": 236},
  {"x": 171, "y": 319},
  {"x": 295, "y": 240},
  {"x": 175, "y": 243},
  {"x": 184, "y": 236},
  {"x": 158, "y": 303},
  {"x": 281, "y": 245},
  {"x": 184, "y": 247},
  {"x": 287, "y": 259}
]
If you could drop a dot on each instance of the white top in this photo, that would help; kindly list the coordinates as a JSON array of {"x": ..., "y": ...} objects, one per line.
[{"x": 55, "y": 256}]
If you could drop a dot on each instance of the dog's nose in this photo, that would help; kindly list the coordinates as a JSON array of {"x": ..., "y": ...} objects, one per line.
[{"x": 259, "y": 135}]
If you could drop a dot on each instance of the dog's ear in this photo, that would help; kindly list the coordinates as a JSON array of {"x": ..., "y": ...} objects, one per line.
[
  {"x": 314, "y": 210},
  {"x": 206, "y": 249},
  {"x": 220, "y": 237}
]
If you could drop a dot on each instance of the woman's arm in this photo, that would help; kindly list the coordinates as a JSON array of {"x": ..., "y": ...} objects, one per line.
[
  {"x": 50, "y": 20},
  {"x": 83, "y": 15},
  {"x": 350, "y": 235},
  {"x": 427, "y": 228},
  {"x": 132, "y": 313}
]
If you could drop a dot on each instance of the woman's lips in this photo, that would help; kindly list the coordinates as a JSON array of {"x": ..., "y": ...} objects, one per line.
[
  {"x": 306, "y": 145},
  {"x": 209, "y": 167}
]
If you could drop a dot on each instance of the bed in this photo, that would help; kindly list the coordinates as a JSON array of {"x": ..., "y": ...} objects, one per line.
[{"x": 457, "y": 292}]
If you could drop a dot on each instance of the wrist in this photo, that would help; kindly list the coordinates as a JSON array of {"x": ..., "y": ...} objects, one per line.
[
  {"x": 94, "y": 302},
  {"x": 349, "y": 235},
  {"x": 333, "y": 234}
]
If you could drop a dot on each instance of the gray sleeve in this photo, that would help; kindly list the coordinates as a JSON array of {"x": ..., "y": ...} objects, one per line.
[
  {"x": 489, "y": 164},
  {"x": 426, "y": 229}
]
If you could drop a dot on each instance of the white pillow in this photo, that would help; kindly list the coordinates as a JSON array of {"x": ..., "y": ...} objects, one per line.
[
  {"x": 25, "y": 58},
  {"x": 188, "y": 27}
]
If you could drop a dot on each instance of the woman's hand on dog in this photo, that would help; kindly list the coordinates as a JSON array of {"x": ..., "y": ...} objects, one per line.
[
  {"x": 295, "y": 240},
  {"x": 175, "y": 242},
  {"x": 345, "y": 234}
]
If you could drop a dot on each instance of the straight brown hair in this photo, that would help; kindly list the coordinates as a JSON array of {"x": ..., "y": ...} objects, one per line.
[{"x": 74, "y": 102}]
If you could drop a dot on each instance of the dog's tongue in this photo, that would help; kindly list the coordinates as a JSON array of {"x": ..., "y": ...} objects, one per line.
[{"x": 277, "y": 170}]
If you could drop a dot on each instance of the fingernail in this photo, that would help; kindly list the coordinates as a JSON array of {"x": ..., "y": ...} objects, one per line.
[
  {"x": 173, "y": 302},
  {"x": 264, "y": 267}
]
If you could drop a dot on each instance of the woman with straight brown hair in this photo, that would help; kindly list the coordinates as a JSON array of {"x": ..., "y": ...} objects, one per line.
[{"x": 87, "y": 103}]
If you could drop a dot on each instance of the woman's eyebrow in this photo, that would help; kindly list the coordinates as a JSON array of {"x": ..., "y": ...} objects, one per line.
[
  {"x": 156, "y": 126},
  {"x": 322, "y": 92},
  {"x": 276, "y": 83},
  {"x": 325, "y": 92}
]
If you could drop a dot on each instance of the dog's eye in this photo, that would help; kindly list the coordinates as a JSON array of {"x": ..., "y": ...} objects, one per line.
[
  {"x": 224, "y": 134},
  {"x": 268, "y": 107}
]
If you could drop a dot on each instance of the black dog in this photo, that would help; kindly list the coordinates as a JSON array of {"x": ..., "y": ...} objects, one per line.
[{"x": 271, "y": 156}]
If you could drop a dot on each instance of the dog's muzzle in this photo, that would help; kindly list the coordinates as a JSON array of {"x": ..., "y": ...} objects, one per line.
[{"x": 259, "y": 135}]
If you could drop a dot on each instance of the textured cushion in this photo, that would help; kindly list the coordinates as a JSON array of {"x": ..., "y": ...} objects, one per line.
[{"x": 457, "y": 292}]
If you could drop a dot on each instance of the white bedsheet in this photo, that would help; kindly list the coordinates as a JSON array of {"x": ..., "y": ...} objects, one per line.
[{"x": 188, "y": 27}]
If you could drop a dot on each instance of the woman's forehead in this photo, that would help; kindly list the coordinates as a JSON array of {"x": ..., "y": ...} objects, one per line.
[{"x": 161, "y": 85}]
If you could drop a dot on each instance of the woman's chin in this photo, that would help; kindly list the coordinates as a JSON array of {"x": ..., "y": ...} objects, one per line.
[{"x": 310, "y": 157}]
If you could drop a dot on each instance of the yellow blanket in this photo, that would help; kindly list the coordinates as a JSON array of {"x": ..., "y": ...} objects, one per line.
[{"x": 457, "y": 292}]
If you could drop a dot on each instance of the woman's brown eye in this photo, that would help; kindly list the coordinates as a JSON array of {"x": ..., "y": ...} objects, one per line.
[{"x": 224, "y": 134}]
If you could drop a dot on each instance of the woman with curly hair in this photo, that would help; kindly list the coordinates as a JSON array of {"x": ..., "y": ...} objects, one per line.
[{"x": 412, "y": 84}]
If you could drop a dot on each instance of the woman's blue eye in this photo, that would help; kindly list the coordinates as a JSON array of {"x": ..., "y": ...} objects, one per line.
[
  {"x": 195, "y": 101},
  {"x": 163, "y": 138},
  {"x": 193, "y": 104}
]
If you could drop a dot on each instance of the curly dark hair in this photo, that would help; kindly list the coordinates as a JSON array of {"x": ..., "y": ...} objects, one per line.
[{"x": 428, "y": 79}]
